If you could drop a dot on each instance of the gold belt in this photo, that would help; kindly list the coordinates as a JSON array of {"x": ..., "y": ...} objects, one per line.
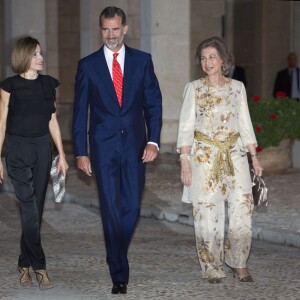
[{"x": 221, "y": 164}]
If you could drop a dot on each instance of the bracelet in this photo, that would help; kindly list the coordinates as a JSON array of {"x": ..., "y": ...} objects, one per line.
[
  {"x": 184, "y": 156},
  {"x": 254, "y": 155}
]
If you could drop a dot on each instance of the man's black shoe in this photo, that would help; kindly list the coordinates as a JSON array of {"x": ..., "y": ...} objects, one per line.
[
  {"x": 123, "y": 287},
  {"x": 119, "y": 287},
  {"x": 115, "y": 288}
]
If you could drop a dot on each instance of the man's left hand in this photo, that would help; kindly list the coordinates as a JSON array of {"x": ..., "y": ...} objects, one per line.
[{"x": 150, "y": 153}]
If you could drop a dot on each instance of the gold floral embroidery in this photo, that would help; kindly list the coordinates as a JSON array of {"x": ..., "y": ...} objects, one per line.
[
  {"x": 211, "y": 184},
  {"x": 215, "y": 100},
  {"x": 247, "y": 202},
  {"x": 202, "y": 100},
  {"x": 227, "y": 245},
  {"x": 207, "y": 149},
  {"x": 203, "y": 158},
  {"x": 226, "y": 118},
  {"x": 224, "y": 189},
  {"x": 204, "y": 255},
  {"x": 205, "y": 154}
]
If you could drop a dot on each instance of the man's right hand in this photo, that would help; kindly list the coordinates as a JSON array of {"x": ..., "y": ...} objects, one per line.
[{"x": 84, "y": 164}]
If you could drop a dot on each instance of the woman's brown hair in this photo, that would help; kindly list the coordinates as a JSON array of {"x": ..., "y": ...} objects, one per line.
[
  {"x": 220, "y": 45},
  {"x": 22, "y": 54}
]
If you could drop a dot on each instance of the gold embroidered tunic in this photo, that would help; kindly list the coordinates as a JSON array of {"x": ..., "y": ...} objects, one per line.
[{"x": 220, "y": 114}]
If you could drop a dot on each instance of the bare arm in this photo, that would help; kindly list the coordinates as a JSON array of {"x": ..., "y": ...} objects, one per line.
[
  {"x": 4, "y": 101},
  {"x": 56, "y": 136},
  {"x": 186, "y": 171},
  {"x": 255, "y": 161}
]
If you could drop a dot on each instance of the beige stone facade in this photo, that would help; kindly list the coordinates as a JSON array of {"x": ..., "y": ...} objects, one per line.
[{"x": 260, "y": 33}]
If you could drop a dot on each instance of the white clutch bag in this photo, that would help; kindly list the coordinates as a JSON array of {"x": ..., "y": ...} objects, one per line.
[
  {"x": 186, "y": 195},
  {"x": 58, "y": 181}
]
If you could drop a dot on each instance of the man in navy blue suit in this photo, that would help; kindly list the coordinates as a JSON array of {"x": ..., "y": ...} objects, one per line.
[
  {"x": 287, "y": 80},
  {"x": 238, "y": 73},
  {"x": 124, "y": 133}
]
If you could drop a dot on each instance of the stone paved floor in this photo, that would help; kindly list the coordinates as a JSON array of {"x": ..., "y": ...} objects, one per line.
[
  {"x": 163, "y": 191},
  {"x": 162, "y": 257}
]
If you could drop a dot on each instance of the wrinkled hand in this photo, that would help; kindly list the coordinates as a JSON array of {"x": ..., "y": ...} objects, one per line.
[
  {"x": 62, "y": 165},
  {"x": 257, "y": 166},
  {"x": 186, "y": 172},
  {"x": 150, "y": 153},
  {"x": 84, "y": 164},
  {"x": 1, "y": 171}
]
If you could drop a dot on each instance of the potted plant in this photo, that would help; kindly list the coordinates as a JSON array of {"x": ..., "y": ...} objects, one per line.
[{"x": 276, "y": 123}]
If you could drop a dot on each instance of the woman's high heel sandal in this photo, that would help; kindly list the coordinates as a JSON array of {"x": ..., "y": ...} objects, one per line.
[
  {"x": 43, "y": 279},
  {"x": 243, "y": 277},
  {"x": 25, "y": 279}
]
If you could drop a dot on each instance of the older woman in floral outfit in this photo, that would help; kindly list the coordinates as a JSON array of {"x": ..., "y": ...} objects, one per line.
[{"x": 215, "y": 134}]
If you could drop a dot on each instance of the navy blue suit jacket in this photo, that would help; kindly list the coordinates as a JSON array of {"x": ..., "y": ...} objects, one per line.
[
  {"x": 239, "y": 74},
  {"x": 283, "y": 82},
  {"x": 128, "y": 128}
]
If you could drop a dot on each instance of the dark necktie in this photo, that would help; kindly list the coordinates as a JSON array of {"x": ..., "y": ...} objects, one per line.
[{"x": 117, "y": 78}]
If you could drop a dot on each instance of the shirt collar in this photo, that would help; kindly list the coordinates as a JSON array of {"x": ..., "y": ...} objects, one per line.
[{"x": 108, "y": 52}]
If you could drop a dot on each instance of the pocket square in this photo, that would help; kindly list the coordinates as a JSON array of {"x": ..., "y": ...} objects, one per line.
[{"x": 58, "y": 181}]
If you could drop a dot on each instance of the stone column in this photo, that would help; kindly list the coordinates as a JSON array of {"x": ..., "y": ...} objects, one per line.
[
  {"x": 51, "y": 53},
  {"x": 206, "y": 20},
  {"x": 2, "y": 40},
  {"x": 229, "y": 24},
  {"x": 165, "y": 33},
  {"x": 261, "y": 41},
  {"x": 23, "y": 17}
]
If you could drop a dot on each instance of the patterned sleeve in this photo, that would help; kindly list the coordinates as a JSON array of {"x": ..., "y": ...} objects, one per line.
[
  {"x": 6, "y": 85},
  {"x": 244, "y": 120},
  {"x": 187, "y": 118}
]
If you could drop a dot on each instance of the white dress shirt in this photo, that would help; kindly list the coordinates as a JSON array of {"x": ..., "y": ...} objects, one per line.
[
  {"x": 295, "y": 93},
  {"x": 109, "y": 58}
]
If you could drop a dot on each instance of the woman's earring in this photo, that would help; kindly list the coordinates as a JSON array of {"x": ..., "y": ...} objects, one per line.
[{"x": 223, "y": 68}]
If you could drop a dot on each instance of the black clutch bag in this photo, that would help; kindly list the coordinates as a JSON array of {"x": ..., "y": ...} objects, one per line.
[{"x": 259, "y": 191}]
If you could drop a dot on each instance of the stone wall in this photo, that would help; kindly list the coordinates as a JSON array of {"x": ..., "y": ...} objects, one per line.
[
  {"x": 2, "y": 41},
  {"x": 68, "y": 49},
  {"x": 166, "y": 35},
  {"x": 260, "y": 33}
]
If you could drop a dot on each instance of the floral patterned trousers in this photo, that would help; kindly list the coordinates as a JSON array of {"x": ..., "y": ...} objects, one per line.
[{"x": 209, "y": 199}]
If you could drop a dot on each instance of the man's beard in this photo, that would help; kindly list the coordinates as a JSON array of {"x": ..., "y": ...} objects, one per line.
[{"x": 114, "y": 45}]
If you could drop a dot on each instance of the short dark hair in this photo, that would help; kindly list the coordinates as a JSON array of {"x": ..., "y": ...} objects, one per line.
[
  {"x": 22, "y": 54},
  {"x": 111, "y": 12},
  {"x": 220, "y": 45}
]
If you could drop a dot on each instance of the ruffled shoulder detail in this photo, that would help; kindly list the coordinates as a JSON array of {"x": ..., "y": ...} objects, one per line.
[{"x": 50, "y": 84}]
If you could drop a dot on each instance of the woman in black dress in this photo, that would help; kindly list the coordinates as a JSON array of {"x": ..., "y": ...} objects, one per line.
[{"x": 27, "y": 115}]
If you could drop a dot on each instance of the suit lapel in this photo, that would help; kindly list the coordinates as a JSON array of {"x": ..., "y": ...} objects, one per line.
[
  {"x": 128, "y": 78},
  {"x": 104, "y": 75}
]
